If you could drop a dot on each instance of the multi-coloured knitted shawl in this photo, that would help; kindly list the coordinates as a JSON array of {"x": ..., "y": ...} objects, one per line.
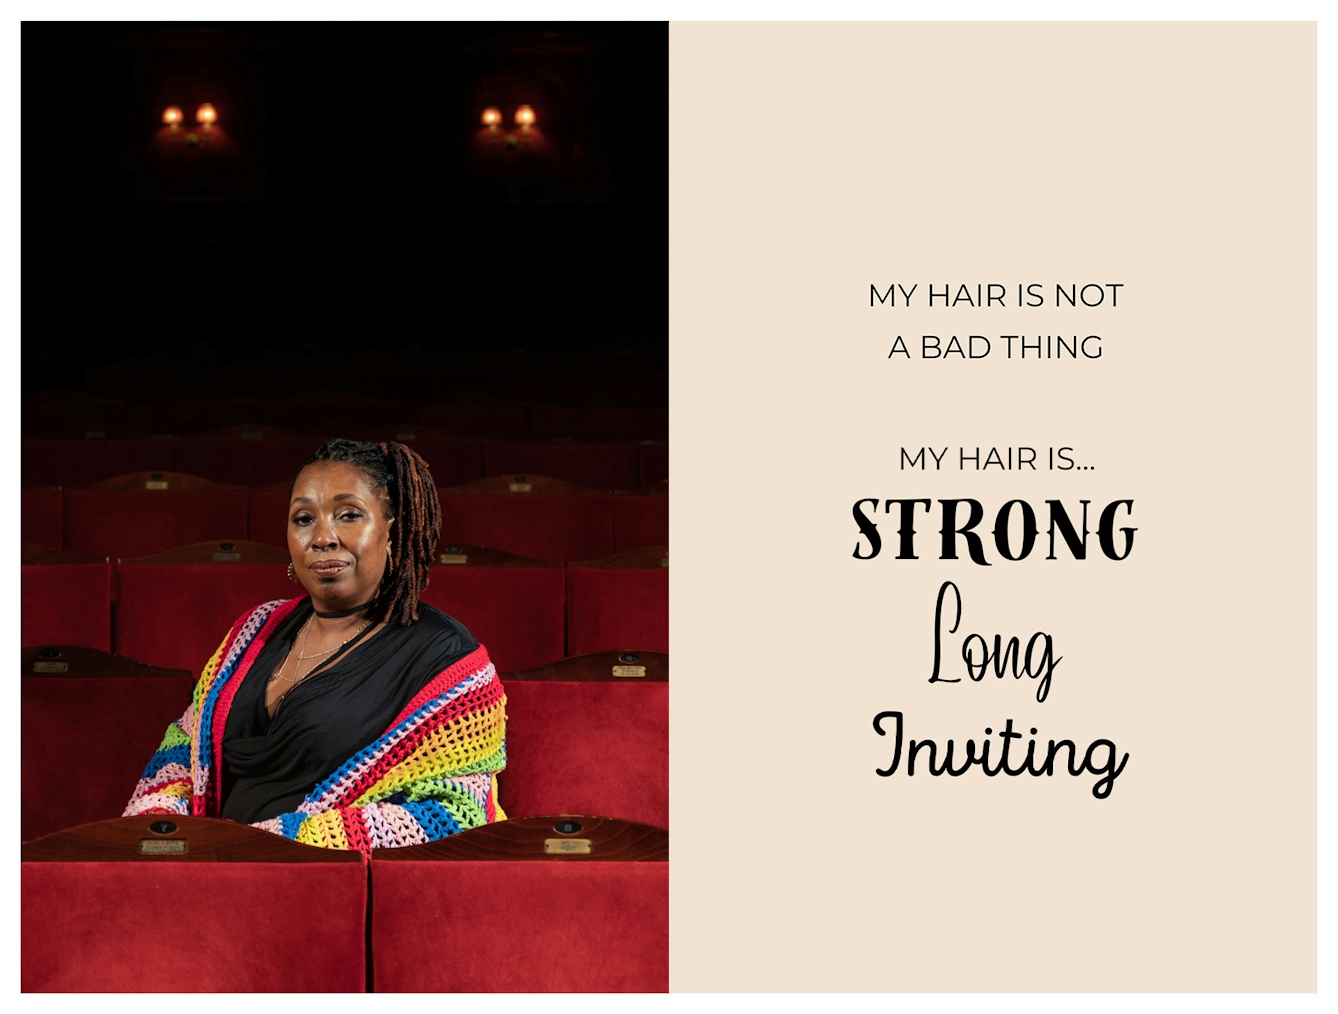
[{"x": 432, "y": 773}]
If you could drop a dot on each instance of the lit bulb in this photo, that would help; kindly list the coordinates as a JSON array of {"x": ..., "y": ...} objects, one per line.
[
  {"x": 525, "y": 116},
  {"x": 492, "y": 116},
  {"x": 205, "y": 114},
  {"x": 172, "y": 115}
]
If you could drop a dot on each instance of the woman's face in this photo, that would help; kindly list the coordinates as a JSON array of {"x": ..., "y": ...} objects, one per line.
[{"x": 338, "y": 535}]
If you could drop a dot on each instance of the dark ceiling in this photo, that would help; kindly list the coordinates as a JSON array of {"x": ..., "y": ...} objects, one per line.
[{"x": 348, "y": 198}]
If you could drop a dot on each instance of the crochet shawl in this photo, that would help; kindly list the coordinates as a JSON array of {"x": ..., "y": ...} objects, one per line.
[{"x": 430, "y": 775}]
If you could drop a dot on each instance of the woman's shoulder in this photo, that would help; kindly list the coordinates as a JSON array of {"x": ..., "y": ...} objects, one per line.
[{"x": 432, "y": 622}]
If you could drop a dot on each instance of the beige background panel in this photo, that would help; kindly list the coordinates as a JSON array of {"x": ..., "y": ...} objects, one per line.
[{"x": 808, "y": 161}]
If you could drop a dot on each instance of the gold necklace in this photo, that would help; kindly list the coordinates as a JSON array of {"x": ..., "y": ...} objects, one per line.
[{"x": 306, "y": 635}]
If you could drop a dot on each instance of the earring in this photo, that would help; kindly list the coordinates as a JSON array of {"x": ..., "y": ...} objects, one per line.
[{"x": 291, "y": 576}]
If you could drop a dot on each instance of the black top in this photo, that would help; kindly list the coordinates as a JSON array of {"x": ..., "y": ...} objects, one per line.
[{"x": 269, "y": 767}]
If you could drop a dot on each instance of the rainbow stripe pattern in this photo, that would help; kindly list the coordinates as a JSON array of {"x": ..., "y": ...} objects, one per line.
[{"x": 432, "y": 774}]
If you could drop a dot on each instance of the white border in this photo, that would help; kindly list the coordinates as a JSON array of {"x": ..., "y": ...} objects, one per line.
[{"x": 910, "y": 10}]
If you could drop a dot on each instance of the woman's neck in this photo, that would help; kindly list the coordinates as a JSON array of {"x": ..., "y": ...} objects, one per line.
[{"x": 339, "y": 626}]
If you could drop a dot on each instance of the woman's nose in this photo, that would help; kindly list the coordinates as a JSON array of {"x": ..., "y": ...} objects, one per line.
[{"x": 323, "y": 537}]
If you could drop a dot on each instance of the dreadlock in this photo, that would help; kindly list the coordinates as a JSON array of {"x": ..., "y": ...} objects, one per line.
[{"x": 402, "y": 477}]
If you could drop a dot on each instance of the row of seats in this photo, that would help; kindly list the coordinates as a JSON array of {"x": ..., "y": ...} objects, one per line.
[
  {"x": 172, "y": 609},
  {"x": 233, "y": 459},
  {"x": 587, "y": 734},
  {"x": 552, "y": 904},
  {"x": 150, "y": 512},
  {"x": 570, "y": 893}
]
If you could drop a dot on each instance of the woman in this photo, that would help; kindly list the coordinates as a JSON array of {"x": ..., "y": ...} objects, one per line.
[{"x": 355, "y": 717}]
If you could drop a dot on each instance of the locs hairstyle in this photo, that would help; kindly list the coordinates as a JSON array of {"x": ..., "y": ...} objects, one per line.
[{"x": 401, "y": 476}]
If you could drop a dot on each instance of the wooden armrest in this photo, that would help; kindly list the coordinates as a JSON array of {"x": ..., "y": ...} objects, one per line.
[
  {"x": 560, "y": 838},
  {"x": 160, "y": 838}
]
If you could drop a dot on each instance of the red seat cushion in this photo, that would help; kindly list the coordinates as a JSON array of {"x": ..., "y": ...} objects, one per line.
[
  {"x": 67, "y": 603},
  {"x": 80, "y": 462},
  {"x": 640, "y": 521},
  {"x": 591, "y": 465},
  {"x": 587, "y": 747},
  {"x": 193, "y": 927},
  {"x": 130, "y": 524},
  {"x": 86, "y": 741},
  {"x": 518, "y": 612},
  {"x": 175, "y": 615},
  {"x": 42, "y": 522},
  {"x": 612, "y": 609},
  {"x": 550, "y": 527},
  {"x": 523, "y": 926}
]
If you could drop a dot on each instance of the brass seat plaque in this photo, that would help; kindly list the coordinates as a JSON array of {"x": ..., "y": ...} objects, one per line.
[
  {"x": 567, "y": 846},
  {"x": 163, "y": 846}
]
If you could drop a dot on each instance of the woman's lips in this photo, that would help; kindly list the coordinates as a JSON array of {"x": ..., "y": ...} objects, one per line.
[{"x": 327, "y": 568}]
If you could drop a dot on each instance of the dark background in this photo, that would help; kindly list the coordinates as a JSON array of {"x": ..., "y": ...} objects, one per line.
[{"x": 345, "y": 210}]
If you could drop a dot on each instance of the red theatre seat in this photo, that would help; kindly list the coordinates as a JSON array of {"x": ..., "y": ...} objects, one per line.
[
  {"x": 175, "y": 608},
  {"x": 589, "y": 735},
  {"x": 245, "y": 455},
  {"x": 190, "y": 904},
  {"x": 641, "y": 518},
  {"x": 529, "y": 515},
  {"x": 149, "y": 512},
  {"x": 512, "y": 605},
  {"x": 554, "y": 904},
  {"x": 585, "y": 463},
  {"x": 42, "y": 522},
  {"x": 619, "y": 603},
  {"x": 66, "y": 599},
  {"x": 91, "y": 721},
  {"x": 79, "y": 462}
]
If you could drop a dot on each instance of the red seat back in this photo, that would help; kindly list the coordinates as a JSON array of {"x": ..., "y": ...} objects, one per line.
[
  {"x": 640, "y": 520},
  {"x": 239, "y": 461},
  {"x": 619, "y": 603},
  {"x": 267, "y": 515},
  {"x": 539, "y": 526},
  {"x": 507, "y": 916},
  {"x": 581, "y": 740},
  {"x": 98, "y": 916},
  {"x": 88, "y": 731},
  {"x": 175, "y": 608},
  {"x": 66, "y": 599},
  {"x": 654, "y": 458},
  {"x": 120, "y": 524},
  {"x": 79, "y": 462},
  {"x": 512, "y": 605},
  {"x": 592, "y": 465},
  {"x": 42, "y": 523}
]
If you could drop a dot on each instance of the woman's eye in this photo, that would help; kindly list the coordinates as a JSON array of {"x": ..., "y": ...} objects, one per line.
[
  {"x": 350, "y": 516},
  {"x": 302, "y": 519}
]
